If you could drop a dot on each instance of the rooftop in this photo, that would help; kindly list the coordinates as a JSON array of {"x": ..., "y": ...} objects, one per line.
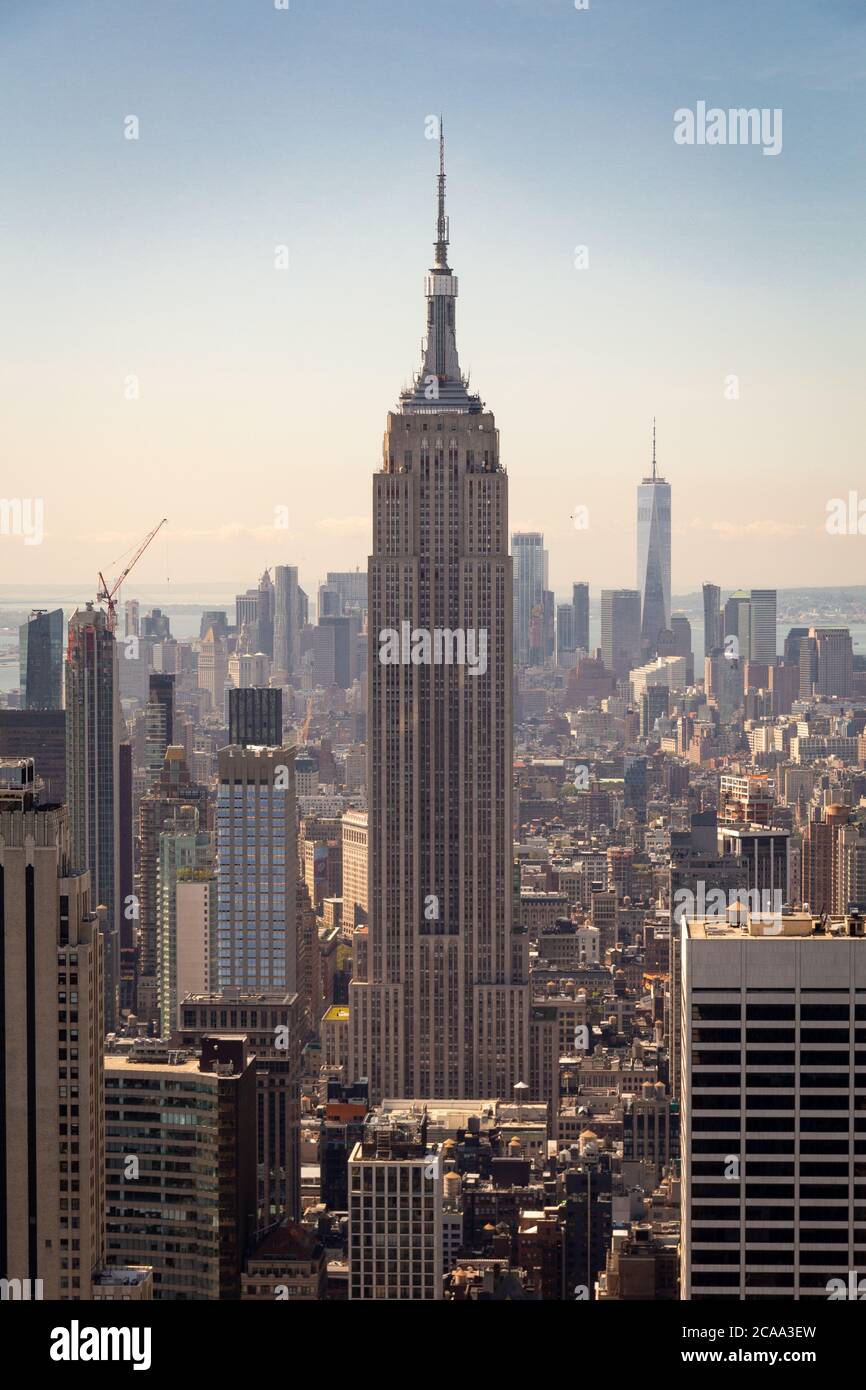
[{"x": 799, "y": 926}]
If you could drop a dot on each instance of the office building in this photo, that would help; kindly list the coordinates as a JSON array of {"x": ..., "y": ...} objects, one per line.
[
  {"x": 653, "y": 556},
  {"x": 750, "y": 618},
  {"x": 174, "y": 788},
  {"x": 158, "y": 723},
  {"x": 762, "y": 625},
  {"x": 287, "y": 622},
  {"x": 257, "y": 946},
  {"x": 345, "y": 632},
  {"x": 620, "y": 630},
  {"x": 565, "y": 644},
  {"x": 770, "y": 1107},
  {"x": 714, "y": 635},
  {"x": 654, "y": 702},
  {"x": 180, "y": 1188},
  {"x": 186, "y": 913},
  {"x": 40, "y": 650},
  {"x": 833, "y": 661},
  {"x": 395, "y": 1183},
  {"x": 52, "y": 1198},
  {"x": 256, "y": 717},
  {"x": 580, "y": 604},
  {"x": 288, "y": 1262},
  {"x": 213, "y": 668},
  {"x": 354, "y": 857},
  {"x": 38, "y": 734},
  {"x": 723, "y": 681},
  {"x": 765, "y": 855},
  {"x": 132, "y": 623},
  {"x": 93, "y": 777},
  {"x": 822, "y": 866},
  {"x": 530, "y": 581},
  {"x": 350, "y": 586},
  {"x": 439, "y": 1001},
  {"x": 272, "y": 1024},
  {"x": 265, "y": 616}
]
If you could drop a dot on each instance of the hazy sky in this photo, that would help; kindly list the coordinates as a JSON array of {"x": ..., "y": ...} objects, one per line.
[{"x": 263, "y": 388}]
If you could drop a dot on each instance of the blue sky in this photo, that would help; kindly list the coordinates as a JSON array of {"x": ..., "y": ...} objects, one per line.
[{"x": 261, "y": 389}]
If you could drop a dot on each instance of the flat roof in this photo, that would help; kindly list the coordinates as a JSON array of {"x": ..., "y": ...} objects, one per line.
[{"x": 797, "y": 926}]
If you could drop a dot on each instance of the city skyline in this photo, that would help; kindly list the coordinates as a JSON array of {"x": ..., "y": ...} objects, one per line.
[{"x": 433, "y": 861}]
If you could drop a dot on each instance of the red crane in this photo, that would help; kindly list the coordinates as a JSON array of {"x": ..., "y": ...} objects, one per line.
[{"x": 106, "y": 595}]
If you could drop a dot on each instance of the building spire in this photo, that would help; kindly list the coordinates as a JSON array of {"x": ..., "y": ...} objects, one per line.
[
  {"x": 441, "y": 261},
  {"x": 440, "y": 384}
]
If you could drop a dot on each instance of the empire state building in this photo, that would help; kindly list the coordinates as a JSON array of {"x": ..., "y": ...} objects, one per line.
[{"x": 439, "y": 999}]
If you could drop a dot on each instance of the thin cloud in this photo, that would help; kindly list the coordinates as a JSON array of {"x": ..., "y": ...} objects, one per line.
[
  {"x": 766, "y": 527},
  {"x": 344, "y": 525}
]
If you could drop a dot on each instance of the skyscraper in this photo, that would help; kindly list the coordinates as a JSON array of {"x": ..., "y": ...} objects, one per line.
[
  {"x": 762, "y": 625},
  {"x": 527, "y": 549},
  {"x": 257, "y": 944},
  {"x": 620, "y": 630},
  {"x": 770, "y": 1107},
  {"x": 713, "y": 625},
  {"x": 52, "y": 1152},
  {"x": 439, "y": 1003},
  {"x": 750, "y": 616},
  {"x": 159, "y": 724},
  {"x": 834, "y": 660},
  {"x": 92, "y": 774},
  {"x": 265, "y": 620},
  {"x": 213, "y": 667},
  {"x": 286, "y": 619},
  {"x": 564, "y": 634},
  {"x": 256, "y": 716},
  {"x": 175, "y": 787},
  {"x": 40, "y": 647},
  {"x": 184, "y": 849},
  {"x": 39, "y": 734},
  {"x": 394, "y": 1160},
  {"x": 197, "y": 1157},
  {"x": 580, "y": 604},
  {"x": 654, "y": 555},
  {"x": 351, "y": 588}
]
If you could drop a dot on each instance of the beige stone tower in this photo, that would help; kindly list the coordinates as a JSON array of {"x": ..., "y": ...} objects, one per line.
[
  {"x": 439, "y": 1002},
  {"x": 52, "y": 1145}
]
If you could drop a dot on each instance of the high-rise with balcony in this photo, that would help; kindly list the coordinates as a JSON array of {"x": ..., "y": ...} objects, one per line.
[{"x": 439, "y": 1000}]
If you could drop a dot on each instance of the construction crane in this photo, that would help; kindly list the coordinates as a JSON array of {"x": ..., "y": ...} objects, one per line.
[{"x": 106, "y": 595}]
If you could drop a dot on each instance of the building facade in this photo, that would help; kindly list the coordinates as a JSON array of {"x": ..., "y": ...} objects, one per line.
[{"x": 439, "y": 999}]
